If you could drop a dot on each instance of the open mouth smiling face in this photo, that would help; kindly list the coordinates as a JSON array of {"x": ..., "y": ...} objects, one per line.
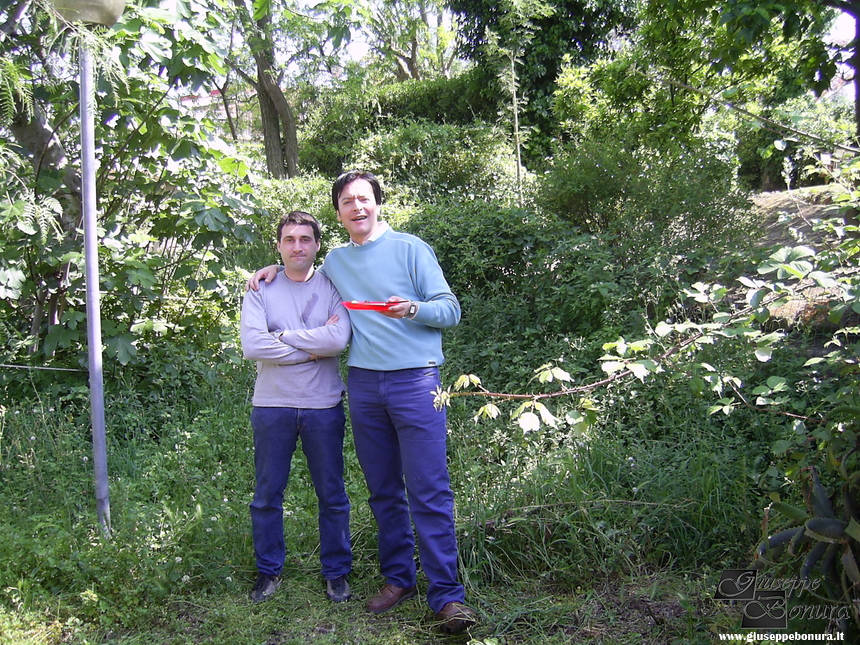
[{"x": 358, "y": 210}]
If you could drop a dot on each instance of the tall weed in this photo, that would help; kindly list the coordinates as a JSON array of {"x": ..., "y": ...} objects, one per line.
[{"x": 662, "y": 485}]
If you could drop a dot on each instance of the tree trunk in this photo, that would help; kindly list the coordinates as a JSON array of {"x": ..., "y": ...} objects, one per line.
[
  {"x": 271, "y": 135},
  {"x": 280, "y": 134},
  {"x": 46, "y": 153},
  {"x": 270, "y": 88},
  {"x": 43, "y": 147}
]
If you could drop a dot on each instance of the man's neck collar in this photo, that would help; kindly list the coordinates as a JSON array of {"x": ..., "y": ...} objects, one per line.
[
  {"x": 300, "y": 278},
  {"x": 381, "y": 227}
]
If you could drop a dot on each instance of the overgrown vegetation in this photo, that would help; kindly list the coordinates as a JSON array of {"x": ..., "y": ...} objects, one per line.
[
  {"x": 641, "y": 392},
  {"x": 633, "y": 481}
]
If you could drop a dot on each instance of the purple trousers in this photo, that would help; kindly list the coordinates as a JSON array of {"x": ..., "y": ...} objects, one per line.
[{"x": 400, "y": 440}]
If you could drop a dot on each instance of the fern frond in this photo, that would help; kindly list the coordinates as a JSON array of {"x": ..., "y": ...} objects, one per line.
[
  {"x": 41, "y": 216},
  {"x": 13, "y": 89}
]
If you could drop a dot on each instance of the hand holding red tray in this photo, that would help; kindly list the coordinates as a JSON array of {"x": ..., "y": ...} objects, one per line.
[{"x": 369, "y": 306}]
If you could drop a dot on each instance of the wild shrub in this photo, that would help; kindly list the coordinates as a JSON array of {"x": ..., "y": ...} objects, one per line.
[
  {"x": 534, "y": 288},
  {"x": 624, "y": 99},
  {"x": 429, "y": 161},
  {"x": 655, "y": 483},
  {"x": 729, "y": 417},
  {"x": 340, "y": 121},
  {"x": 463, "y": 99},
  {"x": 678, "y": 198},
  {"x": 526, "y": 285}
]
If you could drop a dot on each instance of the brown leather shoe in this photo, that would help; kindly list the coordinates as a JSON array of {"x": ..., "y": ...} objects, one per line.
[
  {"x": 455, "y": 617},
  {"x": 389, "y": 596}
]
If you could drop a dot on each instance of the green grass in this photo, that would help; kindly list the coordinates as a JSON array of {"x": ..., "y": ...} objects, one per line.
[
  {"x": 614, "y": 537},
  {"x": 646, "y": 609}
]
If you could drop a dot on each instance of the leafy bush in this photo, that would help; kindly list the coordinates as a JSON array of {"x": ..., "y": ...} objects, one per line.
[
  {"x": 653, "y": 483},
  {"x": 676, "y": 198},
  {"x": 615, "y": 100},
  {"x": 429, "y": 161},
  {"x": 774, "y": 159},
  {"x": 488, "y": 253},
  {"x": 340, "y": 121}
]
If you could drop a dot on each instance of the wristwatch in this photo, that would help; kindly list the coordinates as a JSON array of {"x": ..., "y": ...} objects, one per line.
[{"x": 413, "y": 309}]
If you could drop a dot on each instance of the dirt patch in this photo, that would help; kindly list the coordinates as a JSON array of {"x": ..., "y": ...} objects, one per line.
[{"x": 787, "y": 217}]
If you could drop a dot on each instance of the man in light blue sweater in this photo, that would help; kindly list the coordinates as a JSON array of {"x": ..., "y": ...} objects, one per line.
[
  {"x": 400, "y": 437},
  {"x": 294, "y": 327}
]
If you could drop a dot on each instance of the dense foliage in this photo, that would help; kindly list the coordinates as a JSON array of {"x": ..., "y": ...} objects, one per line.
[
  {"x": 521, "y": 45},
  {"x": 640, "y": 389},
  {"x": 337, "y": 122}
]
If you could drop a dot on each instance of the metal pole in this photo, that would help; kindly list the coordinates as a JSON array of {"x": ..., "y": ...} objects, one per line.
[{"x": 94, "y": 325}]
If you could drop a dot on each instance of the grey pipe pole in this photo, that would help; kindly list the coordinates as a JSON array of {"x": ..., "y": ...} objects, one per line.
[{"x": 94, "y": 325}]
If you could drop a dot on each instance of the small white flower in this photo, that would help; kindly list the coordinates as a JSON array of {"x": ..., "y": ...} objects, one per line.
[
  {"x": 85, "y": 459},
  {"x": 177, "y": 559},
  {"x": 229, "y": 579},
  {"x": 32, "y": 438},
  {"x": 213, "y": 518},
  {"x": 208, "y": 530},
  {"x": 186, "y": 578},
  {"x": 225, "y": 500}
]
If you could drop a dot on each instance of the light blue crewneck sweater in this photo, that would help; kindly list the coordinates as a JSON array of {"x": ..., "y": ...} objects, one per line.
[{"x": 395, "y": 264}]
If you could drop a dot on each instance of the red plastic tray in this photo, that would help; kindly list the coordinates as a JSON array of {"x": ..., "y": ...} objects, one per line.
[{"x": 369, "y": 306}]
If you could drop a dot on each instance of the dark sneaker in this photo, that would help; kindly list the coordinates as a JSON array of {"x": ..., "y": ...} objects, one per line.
[
  {"x": 265, "y": 587},
  {"x": 455, "y": 617},
  {"x": 337, "y": 590},
  {"x": 389, "y": 596}
]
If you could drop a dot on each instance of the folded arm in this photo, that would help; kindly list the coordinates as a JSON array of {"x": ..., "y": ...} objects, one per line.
[
  {"x": 329, "y": 340},
  {"x": 258, "y": 343}
]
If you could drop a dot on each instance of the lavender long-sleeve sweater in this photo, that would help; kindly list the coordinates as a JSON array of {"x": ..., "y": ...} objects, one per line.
[{"x": 286, "y": 375}]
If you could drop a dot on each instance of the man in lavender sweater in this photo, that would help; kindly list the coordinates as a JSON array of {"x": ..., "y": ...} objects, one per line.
[{"x": 294, "y": 327}]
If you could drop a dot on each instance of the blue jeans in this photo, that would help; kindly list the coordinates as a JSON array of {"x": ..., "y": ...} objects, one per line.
[
  {"x": 276, "y": 431},
  {"x": 400, "y": 440}
]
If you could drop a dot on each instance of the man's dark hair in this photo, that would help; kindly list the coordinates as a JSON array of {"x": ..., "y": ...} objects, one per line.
[
  {"x": 349, "y": 177},
  {"x": 298, "y": 218}
]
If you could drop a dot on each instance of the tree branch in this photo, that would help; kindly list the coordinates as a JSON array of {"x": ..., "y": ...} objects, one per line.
[{"x": 14, "y": 20}]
